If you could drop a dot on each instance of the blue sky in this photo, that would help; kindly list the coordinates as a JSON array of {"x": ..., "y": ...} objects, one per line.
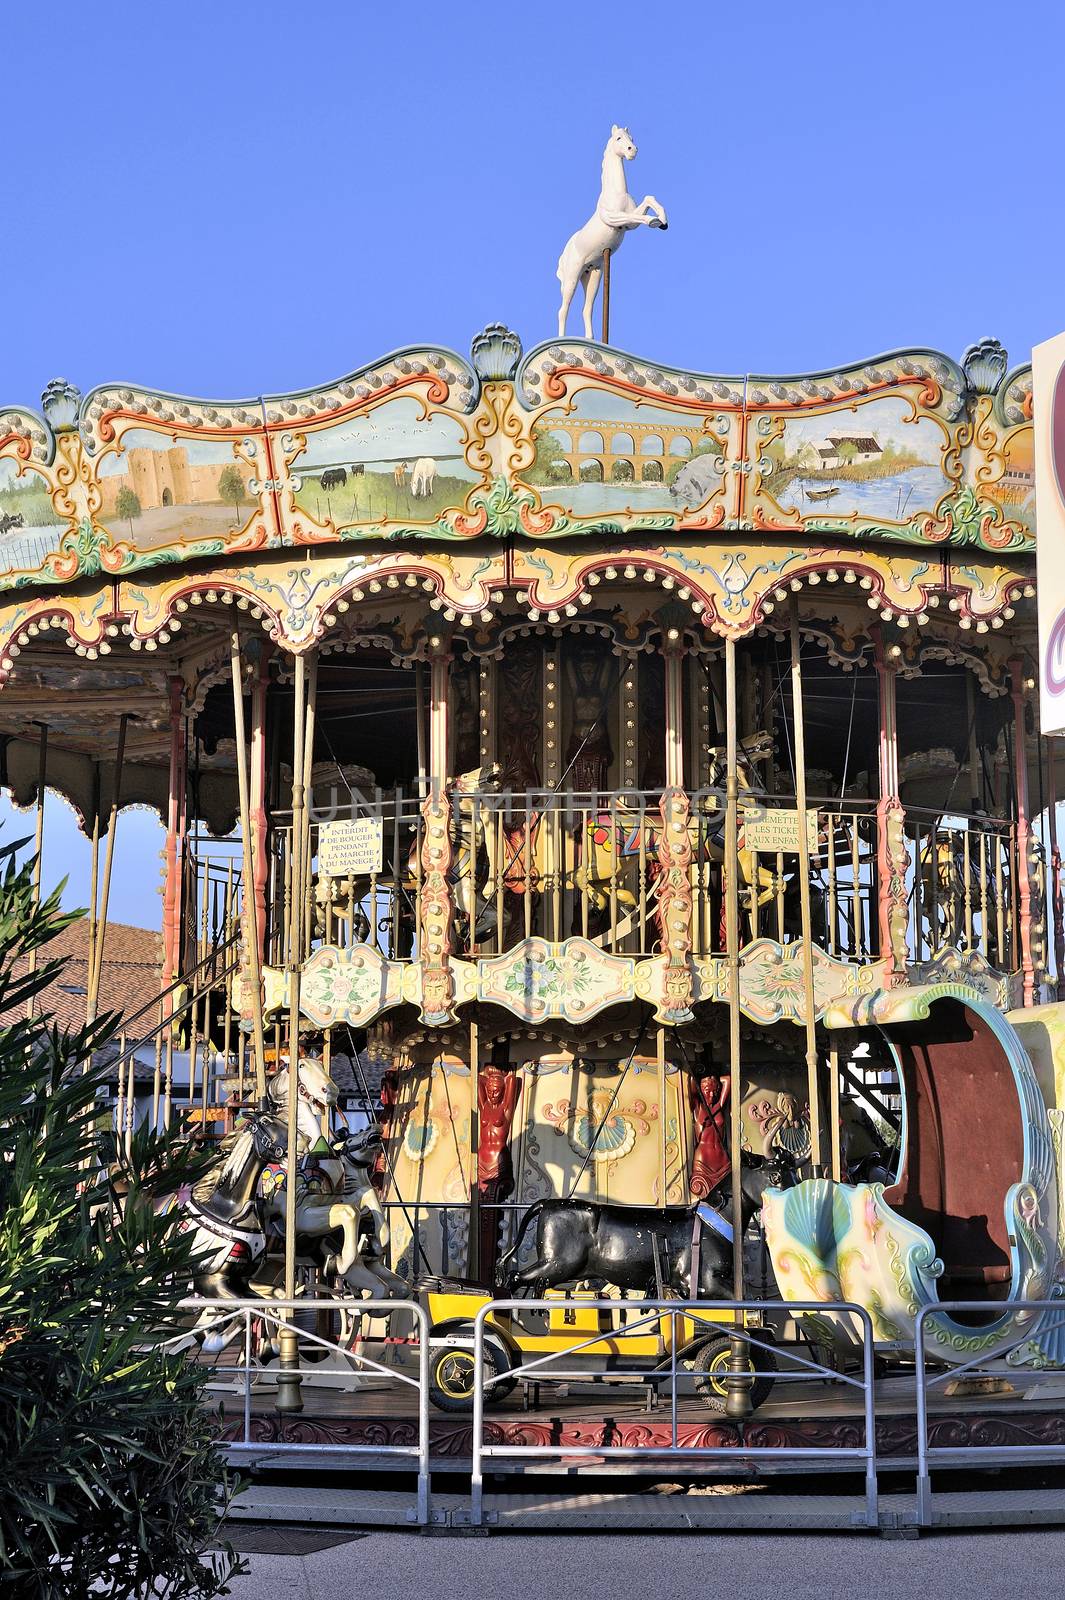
[{"x": 227, "y": 200}]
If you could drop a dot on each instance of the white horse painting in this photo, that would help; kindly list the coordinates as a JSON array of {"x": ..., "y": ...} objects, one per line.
[
  {"x": 422, "y": 477},
  {"x": 616, "y": 212}
]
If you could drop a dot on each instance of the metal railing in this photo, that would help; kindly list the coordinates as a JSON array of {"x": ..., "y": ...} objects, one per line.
[
  {"x": 992, "y": 1456},
  {"x": 557, "y": 864},
  {"x": 963, "y": 886},
  {"x": 237, "y": 1317},
  {"x": 651, "y": 1314}
]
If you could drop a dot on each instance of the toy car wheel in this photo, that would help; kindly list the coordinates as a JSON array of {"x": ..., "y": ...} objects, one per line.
[
  {"x": 711, "y": 1368},
  {"x": 451, "y": 1372}
]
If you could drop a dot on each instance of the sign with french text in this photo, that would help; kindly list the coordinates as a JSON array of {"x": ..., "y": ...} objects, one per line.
[
  {"x": 351, "y": 849},
  {"x": 773, "y": 831}
]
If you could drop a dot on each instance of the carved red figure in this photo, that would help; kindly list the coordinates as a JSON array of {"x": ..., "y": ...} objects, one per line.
[
  {"x": 708, "y": 1097},
  {"x": 497, "y": 1096}
]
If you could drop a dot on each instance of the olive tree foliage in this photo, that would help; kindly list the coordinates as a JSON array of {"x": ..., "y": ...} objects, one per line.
[{"x": 110, "y": 1481}]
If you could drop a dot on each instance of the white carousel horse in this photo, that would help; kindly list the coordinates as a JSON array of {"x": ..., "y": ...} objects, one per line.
[
  {"x": 615, "y": 214},
  {"x": 334, "y": 1192}
]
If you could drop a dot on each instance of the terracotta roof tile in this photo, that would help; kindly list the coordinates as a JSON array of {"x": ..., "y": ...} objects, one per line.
[{"x": 132, "y": 968}]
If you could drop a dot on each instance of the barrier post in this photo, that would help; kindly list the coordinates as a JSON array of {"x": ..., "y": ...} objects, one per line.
[
  {"x": 924, "y": 1482},
  {"x": 422, "y": 1323},
  {"x": 477, "y": 1467},
  {"x": 872, "y": 1503}
]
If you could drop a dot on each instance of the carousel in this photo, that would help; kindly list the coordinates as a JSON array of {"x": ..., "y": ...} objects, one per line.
[{"x": 617, "y": 778}]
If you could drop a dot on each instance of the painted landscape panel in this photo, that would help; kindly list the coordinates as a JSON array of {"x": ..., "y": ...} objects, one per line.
[
  {"x": 397, "y": 465},
  {"x": 875, "y": 461},
  {"x": 161, "y": 489},
  {"x": 609, "y": 454},
  {"x": 29, "y": 527}
]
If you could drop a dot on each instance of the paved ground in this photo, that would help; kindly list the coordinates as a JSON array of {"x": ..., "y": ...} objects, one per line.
[{"x": 396, "y": 1566}]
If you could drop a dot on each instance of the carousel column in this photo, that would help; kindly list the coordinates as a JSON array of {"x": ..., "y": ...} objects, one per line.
[
  {"x": 289, "y": 1393},
  {"x": 38, "y": 843},
  {"x": 251, "y": 944},
  {"x": 96, "y": 972},
  {"x": 891, "y": 856},
  {"x": 258, "y": 779},
  {"x": 1056, "y": 897},
  {"x": 486, "y": 711},
  {"x": 174, "y": 849},
  {"x": 550, "y": 822},
  {"x": 809, "y": 996},
  {"x": 674, "y": 849},
  {"x": 1024, "y": 839},
  {"x": 737, "y": 1383},
  {"x": 436, "y": 912}
]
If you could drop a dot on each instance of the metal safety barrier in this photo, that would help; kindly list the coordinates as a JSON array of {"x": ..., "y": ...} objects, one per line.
[
  {"x": 234, "y": 1318},
  {"x": 990, "y": 1456},
  {"x": 718, "y": 1317}
]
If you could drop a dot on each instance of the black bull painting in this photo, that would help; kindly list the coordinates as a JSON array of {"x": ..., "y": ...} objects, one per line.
[{"x": 582, "y": 1241}]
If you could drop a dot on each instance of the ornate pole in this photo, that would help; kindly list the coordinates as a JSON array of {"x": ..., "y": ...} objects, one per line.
[
  {"x": 738, "y": 1383},
  {"x": 674, "y": 847},
  {"x": 109, "y": 856},
  {"x": 1057, "y": 902},
  {"x": 1023, "y": 831},
  {"x": 473, "y": 1248},
  {"x": 251, "y": 944},
  {"x": 174, "y": 847},
  {"x": 260, "y": 866},
  {"x": 289, "y": 1395},
  {"x": 295, "y": 932},
  {"x": 94, "y": 887},
  {"x": 38, "y": 843},
  {"x": 436, "y": 908},
  {"x": 891, "y": 856},
  {"x": 809, "y": 996},
  {"x": 606, "y": 296}
]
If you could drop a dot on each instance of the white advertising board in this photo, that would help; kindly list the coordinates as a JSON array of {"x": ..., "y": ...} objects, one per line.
[{"x": 1048, "y": 402}]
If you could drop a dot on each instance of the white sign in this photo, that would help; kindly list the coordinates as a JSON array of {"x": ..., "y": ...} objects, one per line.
[
  {"x": 769, "y": 831},
  {"x": 1048, "y": 404},
  {"x": 353, "y": 849}
]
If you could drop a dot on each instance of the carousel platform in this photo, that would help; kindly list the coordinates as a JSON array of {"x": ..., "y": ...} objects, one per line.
[
  {"x": 1029, "y": 1419},
  {"x": 683, "y": 1509}
]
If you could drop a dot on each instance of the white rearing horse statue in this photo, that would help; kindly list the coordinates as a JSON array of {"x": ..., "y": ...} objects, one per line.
[{"x": 615, "y": 214}]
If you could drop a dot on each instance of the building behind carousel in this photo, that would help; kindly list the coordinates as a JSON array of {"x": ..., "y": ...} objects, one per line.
[{"x": 483, "y": 701}]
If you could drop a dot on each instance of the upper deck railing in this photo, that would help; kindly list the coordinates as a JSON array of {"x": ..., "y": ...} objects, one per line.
[{"x": 556, "y": 866}]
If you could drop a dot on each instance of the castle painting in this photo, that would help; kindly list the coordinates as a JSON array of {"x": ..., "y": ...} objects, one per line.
[{"x": 158, "y": 491}]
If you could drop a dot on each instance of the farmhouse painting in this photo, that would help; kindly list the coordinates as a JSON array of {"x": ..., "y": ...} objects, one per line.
[
  {"x": 159, "y": 490},
  {"x": 608, "y": 453},
  {"x": 873, "y": 461},
  {"x": 395, "y": 465},
  {"x": 29, "y": 527}
]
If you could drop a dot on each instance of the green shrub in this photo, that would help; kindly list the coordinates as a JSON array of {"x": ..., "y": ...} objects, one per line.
[{"x": 110, "y": 1482}]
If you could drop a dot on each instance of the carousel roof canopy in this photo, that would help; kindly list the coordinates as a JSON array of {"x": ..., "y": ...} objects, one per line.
[{"x": 573, "y": 439}]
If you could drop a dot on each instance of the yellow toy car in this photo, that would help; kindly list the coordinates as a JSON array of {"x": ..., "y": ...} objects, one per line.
[{"x": 586, "y": 1331}]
